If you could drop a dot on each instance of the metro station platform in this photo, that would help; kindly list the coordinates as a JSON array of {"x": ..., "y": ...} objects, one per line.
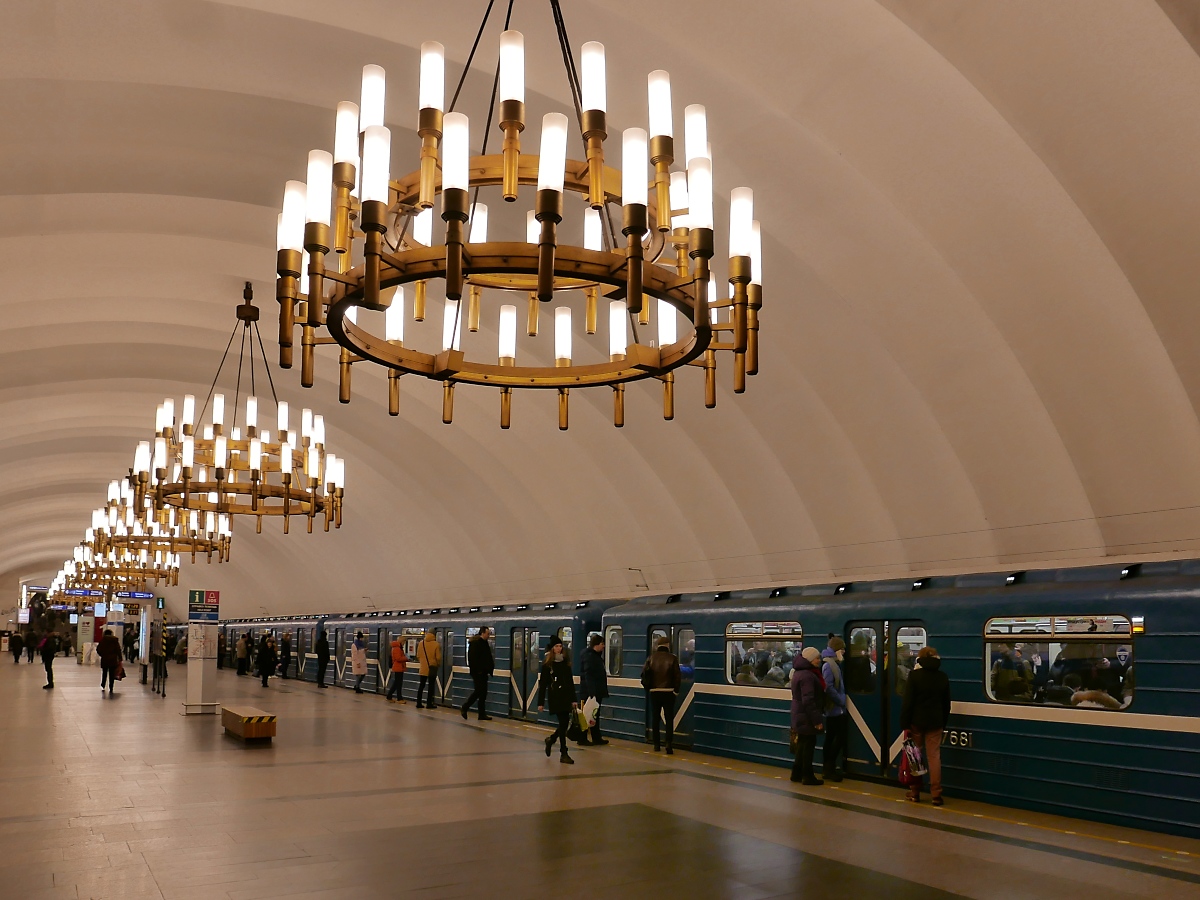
[{"x": 124, "y": 797}]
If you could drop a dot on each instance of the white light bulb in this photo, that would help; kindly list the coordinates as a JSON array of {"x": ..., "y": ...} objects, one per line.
[
  {"x": 189, "y": 451},
  {"x": 668, "y": 324},
  {"x": 345, "y": 133},
  {"x": 618, "y": 320},
  {"x": 659, "y": 91},
  {"x": 433, "y": 76},
  {"x": 393, "y": 317},
  {"x": 456, "y": 152},
  {"x": 741, "y": 221},
  {"x": 562, "y": 333},
  {"x": 285, "y": 459},
  {"x": 508, "y": 332},
  {"x": 252, "y": 412},
  {"x": 422, "y": 229},
  {"x": 189, "y": 410},
  {"x": 320, "y": 186},
  {"x": 220, "y": 452},
  {"x": 591, "y": 65},
  {"x": 318, "y": 430},
  {"x": 695, "y": 132},
  {"x": 634, "y": 161},
  {"x": 306, "y": 423},
  {"x": 169, "y": 413},
  {"x": 282, "y": 416},
  {"x": 160, "y": 453},
  {"x": 255, "y": 455},
  {"x": 592, "y": 230},
  {"x": 314, "y": 464},
  {"x": 377, "y": 163},
  {"x": 218, "y": 413},
  {"x": 374, "y": 85},
  {"x": 512, "y": 66},
  {"x": 451, "y": 329},
  {"x": 479, "y": 223},
  {"x": 700, "y": 202},
  {"x": 291, "y": 230},
  {"x": 552, "y": 161}
]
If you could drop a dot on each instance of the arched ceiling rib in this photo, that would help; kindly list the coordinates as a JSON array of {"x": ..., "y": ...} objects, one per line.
[{"x": 979, "y": 221}]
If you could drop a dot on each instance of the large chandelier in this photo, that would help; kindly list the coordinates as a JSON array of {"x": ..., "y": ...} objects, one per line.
[
  {"x": 225, "y": 468},
  {"x": 123, "y": 525},
  {"x": 654, "y": 271}
]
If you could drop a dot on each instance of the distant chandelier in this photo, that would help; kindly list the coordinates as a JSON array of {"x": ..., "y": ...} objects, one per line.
[
  {"x": 232, "y": 470},
  {"x": 122, "y": 525},
  {"x": 665, "y": 257}
]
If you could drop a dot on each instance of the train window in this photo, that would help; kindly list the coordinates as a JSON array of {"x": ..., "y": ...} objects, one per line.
[
  {"x": 614, "y": 642},
  {"x": 491, "y": 638},
  {"x": 567, "y": 634},
  {"x": 685, "y": 649},
  {"x": 1070, "y": 661},
  {"x": 909, "y": 641},
  {"x": 759, "y": 653},
  {"x": 860, "y": 666}
]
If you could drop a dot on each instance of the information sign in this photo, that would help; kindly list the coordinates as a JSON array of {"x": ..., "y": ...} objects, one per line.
[
  {"x": 135, "y": 595},
  {"x": 204, "y": 606},
  {"x": 23, "y": 616}
]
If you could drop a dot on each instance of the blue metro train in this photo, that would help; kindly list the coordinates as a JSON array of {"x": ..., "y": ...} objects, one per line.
[{"x": 1076, "y": 691}]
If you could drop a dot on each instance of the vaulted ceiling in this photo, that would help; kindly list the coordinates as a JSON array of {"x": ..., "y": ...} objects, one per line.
[{"x": 980, "y": 224}]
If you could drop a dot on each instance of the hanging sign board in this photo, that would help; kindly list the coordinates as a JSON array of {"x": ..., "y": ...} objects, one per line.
[{"x": 204, "y": 606}]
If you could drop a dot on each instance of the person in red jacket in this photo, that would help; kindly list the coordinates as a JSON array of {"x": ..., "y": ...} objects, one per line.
[
  {"x": 109, "y": 651},
  {"x": 399, "y": 665}
]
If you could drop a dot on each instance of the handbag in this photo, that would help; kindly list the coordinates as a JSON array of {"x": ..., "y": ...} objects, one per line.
[
  {"x": 915, "y": 758},
  {"x": 574, "y": 732},
  {"x": 120, "y": 671},
  {"x": 591, "y": 710}
]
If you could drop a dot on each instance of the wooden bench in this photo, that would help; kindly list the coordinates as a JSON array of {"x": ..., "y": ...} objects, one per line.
[{"x": 248, "y": 723}]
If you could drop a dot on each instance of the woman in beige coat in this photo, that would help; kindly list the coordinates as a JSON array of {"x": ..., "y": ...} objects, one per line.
[{"x": 429, "y": 658}]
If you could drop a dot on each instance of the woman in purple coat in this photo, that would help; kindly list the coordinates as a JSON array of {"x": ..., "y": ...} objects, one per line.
[{"x": 808, "y": 711}]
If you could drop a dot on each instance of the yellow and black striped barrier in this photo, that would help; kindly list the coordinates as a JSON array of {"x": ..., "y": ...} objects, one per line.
[{"x": 248, "y": 723}]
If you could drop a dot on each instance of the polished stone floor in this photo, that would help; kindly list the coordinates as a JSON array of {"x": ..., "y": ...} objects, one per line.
[{"x": 126, "y": 798}]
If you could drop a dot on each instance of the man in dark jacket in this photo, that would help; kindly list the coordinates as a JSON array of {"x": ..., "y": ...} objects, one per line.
[
  {"x": 109, "y": 651},
  {"x": 808, "y": 708},
  {"x": 322, "y": 648},
  {"x": 835, "y": 709},
  {"x": 285, "y": 655},
  {"x": 49, "y": 648},
  {"x": 593, "y": 682},
  {"x": 16, "y": 644},
  {"x": 481, "y": 664},
  {"x": 924, "y": 714},
  {"x": 662, "y": 678}
]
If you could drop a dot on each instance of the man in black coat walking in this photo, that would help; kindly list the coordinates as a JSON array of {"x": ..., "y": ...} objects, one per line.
[
  {"x": 49, "y": 648},
  {"x": 481, "y": 664},
  {"x": 924, "y": 714},
  {"x": 322, "y": 648},
  {"x": 593, "y": 682}
]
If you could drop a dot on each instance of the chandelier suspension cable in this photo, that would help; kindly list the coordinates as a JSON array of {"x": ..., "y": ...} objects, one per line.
[
  {"x": 475, "y": 46},
  {"x": 213, "y": 386},
  {"x": 266, "y": 368},
  {"x": 237, "y": 390}
]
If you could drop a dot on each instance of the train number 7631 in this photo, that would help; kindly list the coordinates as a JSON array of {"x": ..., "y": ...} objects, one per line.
[{"x": 956, "y": 738}]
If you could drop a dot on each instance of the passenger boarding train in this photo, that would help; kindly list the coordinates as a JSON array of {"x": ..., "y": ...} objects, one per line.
[{"x": 1076, "y": 691}]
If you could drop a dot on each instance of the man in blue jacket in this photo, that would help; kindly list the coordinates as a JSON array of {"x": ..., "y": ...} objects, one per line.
[{"x": 835, "y": 709}]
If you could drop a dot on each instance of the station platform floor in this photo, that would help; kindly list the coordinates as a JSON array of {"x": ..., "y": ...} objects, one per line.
[{"x": 124, "y": 797}]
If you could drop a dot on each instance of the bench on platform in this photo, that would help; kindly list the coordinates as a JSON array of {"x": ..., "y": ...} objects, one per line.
[{"x": 248, "y": 723}]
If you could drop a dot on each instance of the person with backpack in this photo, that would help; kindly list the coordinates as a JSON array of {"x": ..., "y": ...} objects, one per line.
[
  {"x": 923, "y": 716},
  {"x": 109, "y": 651},
  {"x": 322, "y": 649},
  {"x": 399, "y": 665},
  {"x": 836, "y": 718},
  {"x": 358, "y": 661},
  {"x": 481, "y": 664},
  {"x": 556, "y": 687},
  {"x": 808, "y": 708},
  {"x": 49, "y": 648},
  {"x": 661, "y": 678},
  {"x": 429, "y": 660}
]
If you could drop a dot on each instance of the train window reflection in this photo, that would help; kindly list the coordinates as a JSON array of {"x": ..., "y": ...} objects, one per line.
[
  {"x": 1083, "y": 662},
  {"x": 861, "y": 661},
  {"x": 909, "y": 641},
  {"x": 757, "y": 654},
  {"x": 686, "y": 651},
  {"x": 614, "y": 643}
]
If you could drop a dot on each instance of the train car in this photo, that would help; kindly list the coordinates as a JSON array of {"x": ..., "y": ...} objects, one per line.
[
  {"x": 302, "y": 630},
  {"x": 1048, "y": 711}
]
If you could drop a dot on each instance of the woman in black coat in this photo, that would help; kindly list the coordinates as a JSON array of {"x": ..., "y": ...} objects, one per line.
[
  {"x": 557, "y": 684},
  {"x": 266, "y": 659}
]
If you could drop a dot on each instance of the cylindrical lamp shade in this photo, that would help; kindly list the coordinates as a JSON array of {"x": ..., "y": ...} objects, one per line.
[
  {"x": 756, "y": 255},
  {"x": 345, "y": 133},
  {"x": 256, "y": 454},
  {"x": 618, "y": 320},
  {"x": 741, "y": 221},
  {"x": 320, "y": 186},
  {"x": 220, "y": 454},
  {"x": 479, "y": 223},
  {"x": 371, "y": 100},
  {"x": 659, "y": 91},
  {"x": 422, "y": 228},
  {"x": 188, "y": 416},
  {"x": 668, "y": 324},
  {"x": 314, "y": 464},
  {"x": 714, "y": 313},
  {"x": 508, "y": 333},
  {"x": 634, "y": 161},
  {"x": 189, "y": 452},
  {"x": 377, "y": 163},
  {"x": 281, "y": 417},
  {"x": 700, "y": 202},
  {"x": 552, "y": 162},
  {"x": 594, "y": 90},
  {"x": 160, "y": 453},
  {"x": 562, "y": 333},
  {"x": 593, "y": 230},
  {"x": 169, "y": 413},
  {"x": 218, "y": 413},
  {"x": 679, "y": 197},
  {"x": 432, "y": 93},
  {"x": 451, "y": 329},
  {"x": 393, "y": 317},
  {"x": 695, "y": 132},
  {"x": 456, "y": 152},
  {"x": 512, "y": 66},
  {"x": 532, "y": 229},
  {"x": 318, "y": 432},
  {"x": 285, "y": 458},
  {"x": 291, "y": 230},
  {"x": 306, "y": 420},
  {"x": 251, "y": 412}
]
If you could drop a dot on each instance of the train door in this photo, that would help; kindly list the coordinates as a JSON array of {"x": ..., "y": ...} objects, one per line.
[
  {"x": 383, "y": 659},
  {"x": 682, "y": 641},
  {"x": 525, "y": 667},
  {"x": 339, "y": 655},
  {"x": 445, "y": 672},
  {"x": 880, "y": 655}
]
